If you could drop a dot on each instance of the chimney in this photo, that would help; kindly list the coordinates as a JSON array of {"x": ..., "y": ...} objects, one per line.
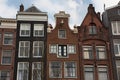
[
  {"x": 21, "y": 8},
  {"x": 91, "y": 8},
  {"x": 98, "y": 14}
]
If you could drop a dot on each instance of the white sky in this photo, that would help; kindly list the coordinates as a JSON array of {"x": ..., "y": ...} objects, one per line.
[{"x": 76, "y": 8}]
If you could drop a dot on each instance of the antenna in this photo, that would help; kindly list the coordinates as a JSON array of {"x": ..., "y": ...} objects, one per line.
[{"x": 104, "y": 7}]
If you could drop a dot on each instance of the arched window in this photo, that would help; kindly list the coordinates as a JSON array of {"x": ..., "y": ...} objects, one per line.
[{"x": 92, "y": 29}]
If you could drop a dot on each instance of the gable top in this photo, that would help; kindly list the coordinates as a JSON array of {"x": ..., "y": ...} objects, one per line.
[{"x": 32, "y": 9}]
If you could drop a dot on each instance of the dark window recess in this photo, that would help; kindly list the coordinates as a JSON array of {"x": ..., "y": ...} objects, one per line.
[{"x": 62, "y": 50}]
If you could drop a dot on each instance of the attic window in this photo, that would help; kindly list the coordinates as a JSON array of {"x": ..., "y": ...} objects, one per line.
[
  {"x": 118, "y": 11},
  {"x": 92, "y": 29}
]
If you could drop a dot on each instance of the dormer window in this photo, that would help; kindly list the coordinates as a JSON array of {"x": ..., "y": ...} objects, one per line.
[{"x": 92, "y": 29}]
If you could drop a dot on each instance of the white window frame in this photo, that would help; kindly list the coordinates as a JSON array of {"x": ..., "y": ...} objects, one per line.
[
  {"x": 7, "y": 56},
  {"x": 65, "y": 74},
  {"x": 37, "y": 69},
  {"x": 10, "y": 36},
  {"x": 70, "y": 48},
  {"x": 24, "y": 50},
  {"x": 42, "y": 47},
  {"x": 38, "y": 29},
  {"x": 89, "y": 56},
  {"x": 7, "y": 76},
  {"x": 103, "y": 71},
  {"x": 28, "y": 26},
  {"x": 22, "y": 69},
  {"x": 50, "y": 71},
  {"x": 52, "y": 48},
  {"x": 61, "y": 37},
  {"x": 89, "y": 66},
  {"x": 117, "y": 43},
  {"x": 113, "y": 27},
  {"x": 62, "y": 50},
  {"x": 105, "y": 54}
]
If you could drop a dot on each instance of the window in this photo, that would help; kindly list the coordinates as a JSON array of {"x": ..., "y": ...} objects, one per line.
[
  {"x": 115, "y": 27},
  {"x": 92, "y": 29},
  {"x": 87, "y": 52},
  {"x": 71, "y": 49},
  {"x": 62, "y": 34},
  {"x": 102, "y": 73},
  {"x": 38, "y": 48},
  {"x": 118, "y": 11},
  {"x": 22, "y": 71},
  {"x": 116, "y": 47},
  {"x": 89, "y": 72},
  {"x": 101, "y": 52},
  {"x": 55, "y": 70},
  {"x": 62, "y": 50},
  {"x": 70, "y": 70},
  {"x": 36, "y": 71},
  {"x": 24, "y": 29},
  {"x": 6, "y": 57},
  {"x": 53, "y": 48},
  {"x": 24, "y": 48},
  {"x": 0, "y": 35},
  {"x": 118, "y": 68},
  {"x": 8, "y": 38},
  {"x": 4, "y": 75},
  {"x": 38, "y": 30}
]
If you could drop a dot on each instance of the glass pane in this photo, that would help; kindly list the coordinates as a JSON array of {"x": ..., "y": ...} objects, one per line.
[{"x": 118, "y": 25}]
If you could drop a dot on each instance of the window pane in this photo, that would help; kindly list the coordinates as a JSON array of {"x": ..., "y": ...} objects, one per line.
[
  {"x": 24, "y": 48},
  {"x": 55, "y": 70},
  {"x": 71, "y": 49},
  {"x": 116, "y": 47},
  {"x": 36, "y": 71},
  {"x": 62, "y": 50},
  {"x": 22, "y": 71},
  {"x": 118, "y": 25},
  {"x": 38, "y": 48},
  {"x": 38, "y": 29},
  {"x": 114, "y": 27},
  {"x": 103, "y": 73},
  {"x": 70, "y": 69},
  {"x": 88, "y": 73},
  {"x": 87, "y": 52},
  {"x": 8, "y": 38},
  {"x": 62, "y": 34},
  {"x": 4, "y": 75},
  {"x": 92, "y": 29},
  {"x": 6, "y": 57},
  {"x": 24, "y": 29},
  {"x": 101, "y": 52},
  {"x": 53, "y": 48}
]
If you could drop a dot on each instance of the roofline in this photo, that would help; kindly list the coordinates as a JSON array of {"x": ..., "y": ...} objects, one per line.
[
  {"x": 112, "y": 7},
  {"x": 8, "y": 20},
  {"x": 32, "y": 13}
]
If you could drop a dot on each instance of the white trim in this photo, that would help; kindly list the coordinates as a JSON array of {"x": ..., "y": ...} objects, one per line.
[
  {"x": 37, "y": 68},
  {"x": 38, "y": 46},
  {"x": 31, "y": 18},
  {"x": 24, "y": 46},
  {"x": 51, "y": 70},
  {"x": 75, "y": 69},
  {"x": 62, "y": 37},
  {"x": 23, "y": 65}
]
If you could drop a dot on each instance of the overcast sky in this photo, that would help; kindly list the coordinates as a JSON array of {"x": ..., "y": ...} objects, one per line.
[{"x": 76, "y": 8}]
